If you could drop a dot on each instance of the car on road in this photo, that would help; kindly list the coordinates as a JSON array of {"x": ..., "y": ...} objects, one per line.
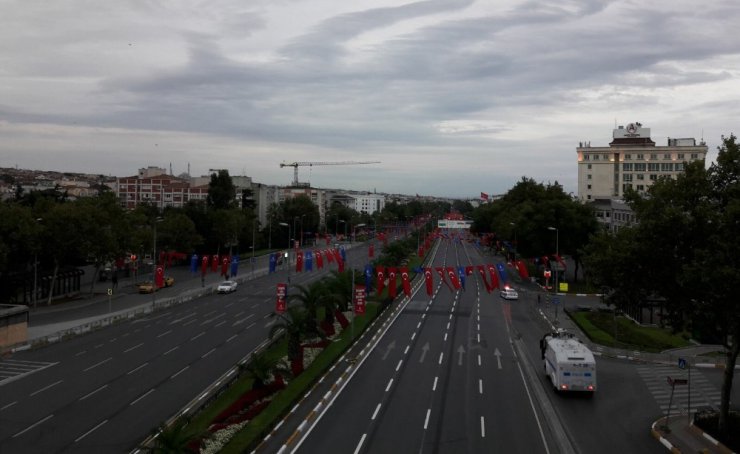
[
  {"x": 149, "y": 287},
  {"x": 227, "y": 287},
  {"x": 509, "y": 293}
]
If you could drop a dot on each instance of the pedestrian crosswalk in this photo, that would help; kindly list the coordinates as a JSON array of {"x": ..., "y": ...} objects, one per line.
[
  {"x": 11, "y": 369},
  {"x": 690, "y": 390}
]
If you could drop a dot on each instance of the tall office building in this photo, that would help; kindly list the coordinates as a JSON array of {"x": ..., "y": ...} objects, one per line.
[{"x": 632, "y": 160}]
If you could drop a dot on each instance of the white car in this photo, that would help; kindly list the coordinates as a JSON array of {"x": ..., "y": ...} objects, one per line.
[
  {"x": 509, "y": 294},
  {"x": 227, "y": 287}
]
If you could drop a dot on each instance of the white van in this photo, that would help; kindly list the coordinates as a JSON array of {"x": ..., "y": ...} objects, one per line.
[{"x": 569, "y": 364}]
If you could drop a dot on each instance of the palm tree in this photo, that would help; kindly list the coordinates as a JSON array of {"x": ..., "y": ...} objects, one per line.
[
  {"x": 261, "y": 367},
  {"x": 311, "y": 298},
  {"x": 297, "y": 325},
  {"x": 172, "y": 440}
]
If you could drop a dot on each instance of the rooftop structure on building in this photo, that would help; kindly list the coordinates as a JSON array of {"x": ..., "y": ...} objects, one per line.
[{"x": 631, "y": 161}]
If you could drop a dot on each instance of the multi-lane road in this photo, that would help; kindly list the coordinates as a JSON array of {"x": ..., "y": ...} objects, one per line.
[{"x": 457, "y": 371}]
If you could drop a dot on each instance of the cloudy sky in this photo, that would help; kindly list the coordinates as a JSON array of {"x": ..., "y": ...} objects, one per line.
[{"x": 453, "y": 97}]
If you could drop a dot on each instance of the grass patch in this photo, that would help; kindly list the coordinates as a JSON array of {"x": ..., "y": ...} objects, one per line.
[
  {"x": 601, "y": 329},
  {"x": 263, "y": 423}
]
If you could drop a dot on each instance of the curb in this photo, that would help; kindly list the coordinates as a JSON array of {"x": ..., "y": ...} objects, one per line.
[{"x": 658, "y": 435}]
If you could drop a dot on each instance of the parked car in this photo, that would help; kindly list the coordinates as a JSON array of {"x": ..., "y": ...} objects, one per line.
[
  {"x": 509, "y": 293},
  {"x": 149, "y": 287},
  {"x": 227, "y": 287}
]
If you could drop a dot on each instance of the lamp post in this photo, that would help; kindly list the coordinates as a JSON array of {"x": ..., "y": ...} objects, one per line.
[
  {"x": 154, "y": 266},
  {"x": 557, "y": 253},
  {"x": 513, "y": 224},
  {"x": 285, "y": 224},
  {"x": 254, "y": 229},
  {"x": 35, "y": 272}
]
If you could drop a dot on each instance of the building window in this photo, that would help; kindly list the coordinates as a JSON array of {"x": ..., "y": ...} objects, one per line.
[
  {"x": 653, "y": 177},
  {"x": 588, "y": 197},
  {"x": 640, "y": 176},
  {"x": 653, "y": 166},
  {"x": 640, "y": 167},
  {"x": 694, "y": 155},
  {"x": 653, "y": 155},
  {"x": 640, "y": 187},
  {"x": 588, "y": 177},
  {"x": 627, "y": 167},
  {"x": 627, "y": 157},
  {"x": 667, "y": 157},
  {"x": 596, "y": 157},
  {"x": 640, "y": 156},
  {"x": 680, "y": 156},
  {"x": 589, "y": 186},
  {"x": 586, "y": 157},
  {"x": 678, "y": 166},
  {"x": 589, "y": 167},
  {"x": 627, "y": 177},
  {"x": 666, "y": 167},
  {"x": 626, "y": 186}
]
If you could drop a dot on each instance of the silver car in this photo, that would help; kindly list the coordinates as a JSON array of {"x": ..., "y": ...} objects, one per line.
[
  {"x": 227, "y": 287},
  {"x": 509, "y": 293}
]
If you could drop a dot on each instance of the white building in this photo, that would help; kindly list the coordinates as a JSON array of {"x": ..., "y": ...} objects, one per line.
[{"x": 632, "y": 160}]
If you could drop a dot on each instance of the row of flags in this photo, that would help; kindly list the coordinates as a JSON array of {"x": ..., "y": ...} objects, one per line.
[{"x": 229, "y": 265}]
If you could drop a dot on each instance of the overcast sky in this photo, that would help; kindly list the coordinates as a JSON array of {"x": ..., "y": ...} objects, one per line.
[{"x": 453, "y": 97}]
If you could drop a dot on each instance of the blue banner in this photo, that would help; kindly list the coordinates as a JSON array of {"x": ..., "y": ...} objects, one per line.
[
  {"x": 194, "y": 263},
  {"x": 461, "y": 275},
  {"x": 502, "y": 273},
  {"x": 273, "y": 262},
  {"x": 368, "y": 278},
  {"x": 308, "y": 260},
  {"x": 234, "y": 265},
  {"x": 343, "y": 254}
]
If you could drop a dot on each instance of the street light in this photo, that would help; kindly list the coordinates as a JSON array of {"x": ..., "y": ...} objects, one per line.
[
  {"x": 557, "y": 253},
  {"x": 285, "y": 224}
]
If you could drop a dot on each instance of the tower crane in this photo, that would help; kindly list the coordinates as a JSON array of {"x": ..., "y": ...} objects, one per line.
[{"x": 295, "y": 166}]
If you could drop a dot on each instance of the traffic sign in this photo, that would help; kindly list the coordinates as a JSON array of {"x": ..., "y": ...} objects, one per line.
[
  {"x": 110, "y": 291},
  {"x": 681, "y": 363},
  {"x": 555, "y": 300}
]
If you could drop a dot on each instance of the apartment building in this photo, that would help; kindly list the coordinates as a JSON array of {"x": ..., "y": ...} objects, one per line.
[{"x": 632, "y": 160}]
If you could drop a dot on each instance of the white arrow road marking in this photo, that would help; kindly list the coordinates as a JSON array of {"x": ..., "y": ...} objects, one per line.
[
  {"x": 460, "y": 351},
  {"x": 497, "y": 354},
  {"x": 390, "y": 347},
  {"x": 424, "y": 351}
]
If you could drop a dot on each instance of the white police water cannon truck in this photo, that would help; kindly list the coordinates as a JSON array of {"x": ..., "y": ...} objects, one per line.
[{"x": 569, "y": 364}]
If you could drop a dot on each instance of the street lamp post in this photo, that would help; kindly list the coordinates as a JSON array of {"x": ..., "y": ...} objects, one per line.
[
  {"x": 285, "y": 224},
  {"x": 254, "y": 229},
  {"x": 557, "y": 254},
  {"x": 513, "y": 224}
]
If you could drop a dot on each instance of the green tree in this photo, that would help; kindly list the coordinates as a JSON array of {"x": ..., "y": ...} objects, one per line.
[
  {"x": 683, "y": 248},
  {"x": 172, "y": 440},
  {"x": 221, "y": 191},
  {"x": 296, "y": 325},
  {"x": 262, "y": 368}
]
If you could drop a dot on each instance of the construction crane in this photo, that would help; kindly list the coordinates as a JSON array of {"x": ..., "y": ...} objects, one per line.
[{"x": 295, "y": 166}]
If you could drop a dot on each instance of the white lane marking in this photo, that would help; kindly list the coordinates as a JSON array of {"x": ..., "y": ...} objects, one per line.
[
  {"x": 406, "y": 350},
  {"x": 448, "y": 325},
  {"x": 171, "y": 350},
  {"x": 219, "y": 324},
  {"x": 211, "y": 351},
  {"x": 480, "y": 385},
  {"x": 8, "y": 406},
  {"x": 133, "y": 348},
  {"x": 479, "y": 360},
  {"x": 478, "y": 326},
  {"x": 482, "y": 427},
  {"x": 193, "y": 338},
  {"x": 90, "y": 431},
  {"x": 434, "y": 386},
  {"x": 180, "y": 371},
  {"x": 426, "y": 420},
  {"x": 191, "y": 321},
  {"x": 164, "y": 334},
  {"x": 81, "y": 353},
  {"x": 45, "y": 388},
  {"x": 134, "y": 370},
  {"x": 231, "y": 338},
  {"x": 399, "y": 364},
  {"x": 418, "y": 325},
  {"x": 375, "y": 413},
  {"x": 142, "y": 396},
  {"x": 445, "y": 337},
  {"x": 359, "y": 445},
  {"x": 390, "y": 382},
  {"x": 91, "y": 393},
  {"x": 98, "y": 364},
  {"x": 441, "y": 355},
  {"x": 32, "y": 426},
  {"x": 479, "y": 338},
  {"x": 413, "y": 335}
]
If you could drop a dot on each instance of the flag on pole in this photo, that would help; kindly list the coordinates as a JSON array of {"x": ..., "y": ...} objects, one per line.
[
  {"x": 484, "y": 196},
  {"x": 380, "y": 273},
  {"x": 428, "y": 280},
  {"x": 273, "y": 262},
  {"x": 392, "y": 282},
  {"x": 453, "y": 277},
  {"x": 405, "y": 281},
  {"x": 482, "y": 272}
]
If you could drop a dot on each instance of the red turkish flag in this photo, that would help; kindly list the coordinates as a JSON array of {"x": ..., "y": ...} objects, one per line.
[
  {"x": 441, "y": 271},
  {"x": 159, "y": 277},
  {"x": 522, "y": 268},
  {"x": 468, "y": 270},
  {"x": 329, "y": 255},
  {"x": 494, "y": 276},
  {"x": 380, "y": 273},
  {"x": 482, "y": 271},
  {"x": 204, "y": 265},
  {"x": 371, "y": 251},
  {"x": 405, "y": 281},
  {"x": 421, "y": 251},
  {"x": 392, "y": 287},
  {"x": 429, "y": 280},
  {"x": 214, "y": 263},
  {"x": 225, "y": 267},
  {"x": 453, "y": 277},
  {"x": 319, "y": 259},
  {"x": 299, "y": 262}
]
